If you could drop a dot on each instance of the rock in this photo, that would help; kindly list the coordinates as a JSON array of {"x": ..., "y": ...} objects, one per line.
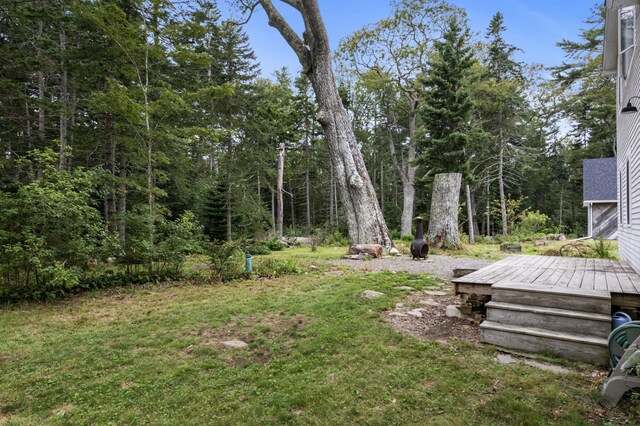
[
  {"x": 399, "y": 305},
  {"x": 334, "y": 273},
  {"x": 238, "y": 344},
  {"x": 429, "y": 302},
  {"x": 436, "y": 293},
  {"x": 511, "y": 248},
  {"x": 405, "y": 287},
  {"x": 415, "y": 313},
  {"x": 540, "y": 243},
  {"x": 397, "y": 314},
  {"x": 454, "y": 312},
  {"x": 509, "y": 359},
  {"x": 370, "y": 294},
  {"x": 394, "y": 252}
]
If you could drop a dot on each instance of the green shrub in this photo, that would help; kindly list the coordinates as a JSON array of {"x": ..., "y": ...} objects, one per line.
[
  {"x": 226, "y": 261},
  {"x": 276, "y": 267},
  {"x": 407, "y": 238},
  {"x": 275, "y": 244},
  {"x": 603, "y": 249}
]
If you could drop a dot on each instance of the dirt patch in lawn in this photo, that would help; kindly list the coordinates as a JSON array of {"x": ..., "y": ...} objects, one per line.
[
  {"x": 264, "y": 338},
  {"x": 433, "y": 324}
]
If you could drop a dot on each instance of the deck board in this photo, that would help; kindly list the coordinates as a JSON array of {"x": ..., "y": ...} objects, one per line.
[{"x": 574, "y": 274}]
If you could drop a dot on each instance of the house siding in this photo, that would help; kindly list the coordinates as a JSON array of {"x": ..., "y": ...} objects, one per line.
[
  {"x": 604, "y": 217},
  {"x": 628, "y": 135}
]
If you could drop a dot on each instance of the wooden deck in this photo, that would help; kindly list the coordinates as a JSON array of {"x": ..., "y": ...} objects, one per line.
[{"x": 575, "y": 274}]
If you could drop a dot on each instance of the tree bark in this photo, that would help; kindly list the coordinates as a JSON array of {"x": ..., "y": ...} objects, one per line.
[
  {"x": 470, "y": 220},
  {"x": 405, "y": 168},
  {"x": 362, "y": 210},
  {"x": 331, "y": 197},
  {"x": 64, "y": 101},
  {"x": 122, "y": 198},
  {"x": 280, "y": 220},
  {"x": 503, "y": 199},
  {"x": 443, "y": 221}
]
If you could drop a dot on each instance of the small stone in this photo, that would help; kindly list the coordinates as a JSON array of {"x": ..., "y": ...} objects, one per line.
[
  {"x": 370, "y": 294},
  {"x": 399, "y": 305},
  {"x": 405, "y": 287},
  {"x": 239, "y": 344},
  {"x": 454, "y": 312},
  {"x": 394, "y": 252},
  {"x": 429, "y": 302},
  {"x": 397, "y": 314},
  {"x": 435, "y": 293},
  {"x": 415, "y": 313}
]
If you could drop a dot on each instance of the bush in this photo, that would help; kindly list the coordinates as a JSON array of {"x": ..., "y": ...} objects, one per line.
[
  {"x": 276, "y": 267},
  {"x": 226, "y": 261},
  {"x": 275, "y": 245},
  {"x": 603, "y": 249},
  {"x": 49, "y": 230},
  {"x": 407, "y": 238}
]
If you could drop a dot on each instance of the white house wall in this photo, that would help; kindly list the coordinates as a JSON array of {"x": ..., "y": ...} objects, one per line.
[{"x": 628, "y": 133}]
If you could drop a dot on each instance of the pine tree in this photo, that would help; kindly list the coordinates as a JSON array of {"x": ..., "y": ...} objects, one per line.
[
  {"x": 214, "y": 216},
  {"x": 447, "y": 105}
]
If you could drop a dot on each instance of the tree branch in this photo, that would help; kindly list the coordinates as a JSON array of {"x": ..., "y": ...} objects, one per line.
[{"x": 293, "y": 40}]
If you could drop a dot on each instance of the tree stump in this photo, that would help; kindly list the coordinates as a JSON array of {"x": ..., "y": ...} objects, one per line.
[
  {"x": 443, "y": 220},
  {"x": 373, "y": 250}
]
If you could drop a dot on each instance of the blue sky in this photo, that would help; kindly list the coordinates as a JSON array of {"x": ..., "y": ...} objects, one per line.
[{"x": 532, "y": 25}]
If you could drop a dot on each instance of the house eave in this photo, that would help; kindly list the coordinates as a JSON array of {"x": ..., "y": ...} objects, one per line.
[{"x": 610, "y": 56}]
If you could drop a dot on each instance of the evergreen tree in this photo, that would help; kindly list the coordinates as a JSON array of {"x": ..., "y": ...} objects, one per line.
[{"x": 447, "y": 105}]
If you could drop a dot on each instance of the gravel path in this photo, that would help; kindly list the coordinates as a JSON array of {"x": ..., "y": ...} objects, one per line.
[{"x": 442, "y": 266}]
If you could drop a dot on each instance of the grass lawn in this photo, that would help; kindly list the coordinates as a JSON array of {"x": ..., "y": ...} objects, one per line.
[{"x": 318, "y": 354}]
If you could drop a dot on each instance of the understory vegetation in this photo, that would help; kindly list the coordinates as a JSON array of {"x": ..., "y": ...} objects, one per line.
[
  {"x": 135, "y": 133},
  {"x": 318, "y": 353}
]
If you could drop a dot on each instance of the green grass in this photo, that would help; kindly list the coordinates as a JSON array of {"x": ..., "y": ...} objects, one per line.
[
  {"x": 319, "y": 354},
  {"x": 492, "y": 251}
]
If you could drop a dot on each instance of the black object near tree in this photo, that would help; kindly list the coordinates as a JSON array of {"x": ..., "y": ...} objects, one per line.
[{"x": 419, "y": 247}]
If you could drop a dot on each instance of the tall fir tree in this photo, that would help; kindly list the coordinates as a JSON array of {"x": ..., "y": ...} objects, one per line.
[{"x": 447, "y": 106}]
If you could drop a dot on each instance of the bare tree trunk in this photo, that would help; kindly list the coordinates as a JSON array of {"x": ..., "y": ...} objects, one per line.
[
  {"x": 470, "y": 219},
  {"x": 63, "y": 101},
  {"x": 280, "y": 189},
  {"x": 229, "y": 188},
  {"x": 443, "y": 220},
  {"x": 488, "y": 211},
  {"x": 503, "y": 200},
  {"x": 273, "y": 210},
  {"x": 405, "y": 168},
  {"x": 331, "y": 196},
  {"x": 122, "y": 199},
  {"x": 561, "y": 205},
  {"x": 362, "y": 211},
  {"x": 382, "y": 186}
]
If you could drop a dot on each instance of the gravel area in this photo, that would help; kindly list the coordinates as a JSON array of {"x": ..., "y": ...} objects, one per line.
[{"x": 441, "y": 266}]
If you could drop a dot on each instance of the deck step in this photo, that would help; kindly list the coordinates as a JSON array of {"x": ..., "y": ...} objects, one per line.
[
  {"x": 580, "y": 347},
  {"x": 553, "y": 319},
  {"x": 591, "y": 301}
]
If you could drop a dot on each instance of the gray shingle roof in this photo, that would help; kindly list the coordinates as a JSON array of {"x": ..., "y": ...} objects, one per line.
[{"x": 600, "y": 182}]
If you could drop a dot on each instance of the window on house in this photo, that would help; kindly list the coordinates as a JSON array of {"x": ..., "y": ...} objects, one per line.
[
  {"x": 628, "y": 192},
  {"x": 627, "y": 38},
  {"x": 620, "y": 205}
]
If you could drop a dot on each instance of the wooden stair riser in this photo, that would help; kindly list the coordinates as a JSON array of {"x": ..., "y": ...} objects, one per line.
[
  {"x": 549, "y": 321},
  {"x": 579, "y": 351},
  {"x": 550, "y": 300}
]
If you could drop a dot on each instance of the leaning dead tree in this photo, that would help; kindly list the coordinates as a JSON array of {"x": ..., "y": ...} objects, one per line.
[
  {"x": 361, "y": 209},
  {"x": 443, "y": 220}
]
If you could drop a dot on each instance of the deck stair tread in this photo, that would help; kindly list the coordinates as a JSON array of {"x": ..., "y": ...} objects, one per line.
[
  {"x": 542, "y": 310},
  {"x": 584, "y": 293},
  {"x": 538, "y": 332}
]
